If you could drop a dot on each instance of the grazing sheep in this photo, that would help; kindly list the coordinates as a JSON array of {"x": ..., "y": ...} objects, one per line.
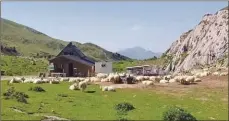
[
  {"x": 146, "y": 77},
  {"x": 28, "y": 80},
  {"x": 172, "y": 80},
  {"x": 95, "y": 79},
  {"x": 107, "y": 88},
  {"x": 157, "y": 79},
  {"x": 164, "y": 81},
  {"x": 87, "y": 80},
  {"x": 64, "y": 79},
  {"x": 140, "y": 78},
  {"x": 216, "y": 73},
  {"x": 82, "y": 85},
  {"x": 190, "y": 79},
  {"x": 105, "y": 80},
  {"x": 74, "y": 80},
  {"x": 54, "y": 81},
  {"x": 152, "y": 78},
  {"x": 168, "y": 77},
  {"x": 147, "y": 83},
  {"x": 101, "y": 75},
  {"x": 46, "y": 80},
  {"x": 197, "y": 80},
  {"x": 224, "y": 74},
  {"x": 111, "y": 88},
  {"x": 37, "y": 81},
  {"x": 74, "y": 86},
  {"x": 116, "y": 79},
  {"x": 16, "y": 80}
]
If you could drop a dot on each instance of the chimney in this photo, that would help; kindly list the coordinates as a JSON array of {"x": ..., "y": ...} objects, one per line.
[{"x": 70, "y": 43}]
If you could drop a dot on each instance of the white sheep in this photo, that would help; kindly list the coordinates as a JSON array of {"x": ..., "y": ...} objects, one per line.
[
  {"x": 147, "y": 83},
  {"x": 82, "y": 85},
  {"x": 164, "y": 81},
  {"x": 74, "y": 86},
  {"x": 140, "y": 78},
  {"x": 168, "y": 77},
  {"x": 95, "y": 79},
  {"x": 16, "y": 80},
  {"x": 87, "y": 80},
  {"x": 152, "y": 78},
  {"x": 74, "y": 79},
  {"x": 172, "y": 80},
  {"x": 54, "y": 81},
  {"x": 111, "y": 88},
  {"x": 158, "y": 78},
  {"x": 224, "y": 74},
  {"x": 101, "y": 75},
  {"x": 37, "y": 81},
  {"x": 105, "y": 80},
  {"x": 197, "y": 80},
  {"x": 146, "y": 77},
  {"x": 28, "y": 80},
  {"x": 190, "y": 79},
  {"x": 107, "y": 88},
  {"x": 216, "y": 74},
  {"x": 64, "y": 79}
]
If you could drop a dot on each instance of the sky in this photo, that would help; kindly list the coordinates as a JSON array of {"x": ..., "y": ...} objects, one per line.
[{"x": 112, "y": 25}]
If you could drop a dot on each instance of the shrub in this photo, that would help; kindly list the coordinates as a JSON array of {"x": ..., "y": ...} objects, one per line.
[
  {"x": 9, "y": 92},
  {"x": 177, "y": 114},
  {"x": 124, "y": 107},
  {"x": 19, "y": 96},
  {"x": 36, "y": 89}
]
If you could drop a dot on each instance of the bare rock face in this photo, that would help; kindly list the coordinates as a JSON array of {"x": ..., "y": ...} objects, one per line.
[{"x": 205, "y": 44}]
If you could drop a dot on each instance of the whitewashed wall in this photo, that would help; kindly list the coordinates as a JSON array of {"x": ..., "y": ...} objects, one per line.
[{"x": 106, "y": 69}]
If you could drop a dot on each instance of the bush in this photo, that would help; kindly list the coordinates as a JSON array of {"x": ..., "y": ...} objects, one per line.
[
  {"x": 19, "y": 96},
  {"x": 36, "y": 89},
  {"x": 124, "y": 107},
  {"x": 177, "y": 114}
]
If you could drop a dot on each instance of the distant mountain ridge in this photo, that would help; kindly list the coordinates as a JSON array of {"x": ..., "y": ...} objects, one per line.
[
  {"x": 138, "y": 53},
  {"x": 19, "y": 39}
]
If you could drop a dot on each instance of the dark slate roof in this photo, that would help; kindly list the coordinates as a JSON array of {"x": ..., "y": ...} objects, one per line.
[
  {"x": 73, "y": 49},
  {"x": 74, "y": 53},
  {"x": 75, "y": 58}
]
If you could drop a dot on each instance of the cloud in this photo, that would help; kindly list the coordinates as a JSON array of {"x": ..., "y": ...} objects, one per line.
[{"x": 136, "y": 27}]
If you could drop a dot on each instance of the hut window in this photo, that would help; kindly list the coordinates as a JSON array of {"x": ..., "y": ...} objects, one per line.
[
  {"x": 65, "y": 53},
  {"x": 103, "y": 65},
  {"x": 71, "y": 53}
]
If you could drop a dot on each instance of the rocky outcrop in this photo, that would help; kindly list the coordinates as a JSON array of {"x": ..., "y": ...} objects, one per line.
[{"x": 205, "y": 44}]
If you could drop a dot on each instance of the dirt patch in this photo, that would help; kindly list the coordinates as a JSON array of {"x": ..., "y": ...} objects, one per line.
[{"x": 209, "y": 82}]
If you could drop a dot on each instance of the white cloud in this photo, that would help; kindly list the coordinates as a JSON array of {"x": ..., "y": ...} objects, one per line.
[{"x": 136, "y": 27}]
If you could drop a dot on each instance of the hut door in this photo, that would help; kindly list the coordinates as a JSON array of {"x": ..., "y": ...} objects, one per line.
[{"x": 70, "y": 67}]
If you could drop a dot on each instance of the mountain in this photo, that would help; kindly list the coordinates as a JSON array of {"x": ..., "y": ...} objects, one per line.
[
  {"x": 205, "y": 44},
  {"x": 18, "y": 39},
  {"x": 138, "y": 53}
]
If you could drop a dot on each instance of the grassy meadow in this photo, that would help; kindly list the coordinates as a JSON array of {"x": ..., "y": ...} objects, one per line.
[
  {"x": 58, "y": 100},
  {"x": 17, "y": 66}
]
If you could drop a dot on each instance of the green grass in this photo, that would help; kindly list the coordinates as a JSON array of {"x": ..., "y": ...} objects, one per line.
[
  {"x": 13, "y": 65},
  {"x": 99, "y": 105},
  {"x": 120, "y": 66}
]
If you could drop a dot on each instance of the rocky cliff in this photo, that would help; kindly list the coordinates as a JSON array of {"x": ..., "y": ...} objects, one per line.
[{"x": 206, "y": 44}]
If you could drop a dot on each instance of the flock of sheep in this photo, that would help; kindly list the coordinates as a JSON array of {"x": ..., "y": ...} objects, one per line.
[{"x": 80, "y": 83}]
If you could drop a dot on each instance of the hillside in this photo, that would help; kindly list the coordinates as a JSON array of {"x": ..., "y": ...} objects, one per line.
[
  {"x": 205, "y": 44},
  {"x": 18, "y": 39},
  {"x": 138, "y": 53}
]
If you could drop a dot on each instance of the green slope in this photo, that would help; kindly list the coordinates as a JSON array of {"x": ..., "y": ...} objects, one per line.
[{"x": 29, "y": 42}]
